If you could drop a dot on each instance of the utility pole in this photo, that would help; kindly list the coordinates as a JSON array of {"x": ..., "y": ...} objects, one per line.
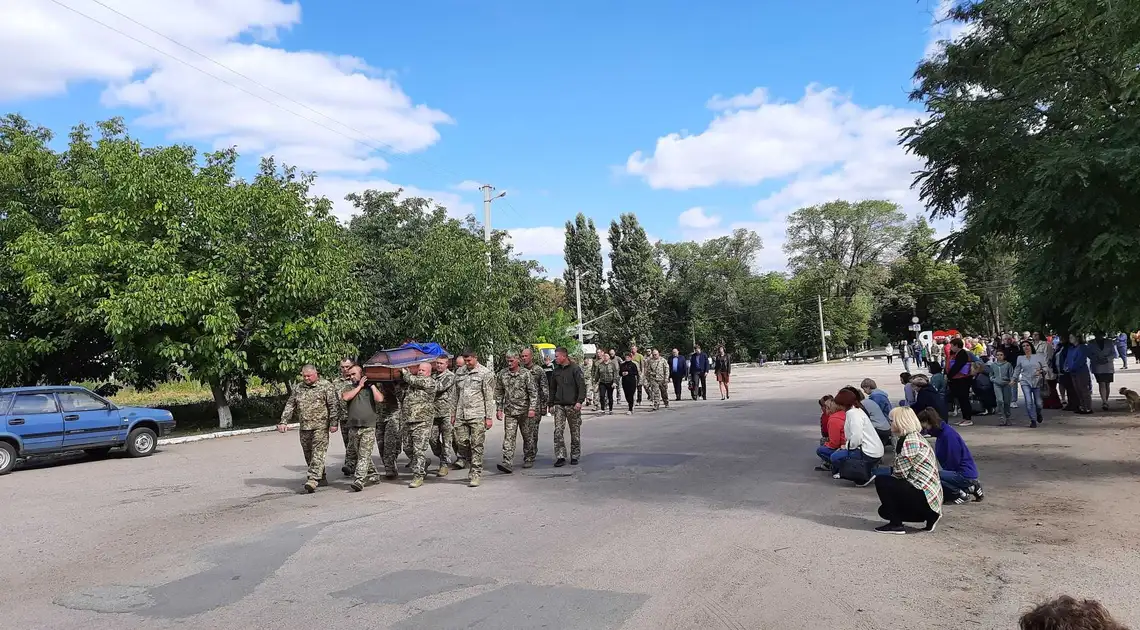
[
  {"x": 822, "y": 332},
  {"x": 578, "y": 294},
  {"x": 487, "y": 199}
]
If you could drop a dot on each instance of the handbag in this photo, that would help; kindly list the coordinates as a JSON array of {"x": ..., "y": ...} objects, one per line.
[{"x": 856, "y": 467}]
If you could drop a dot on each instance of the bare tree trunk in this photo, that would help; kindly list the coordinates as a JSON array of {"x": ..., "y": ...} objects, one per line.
[
  {"x": 225, "y": 416},
  {"x": 243, "y": 388}
]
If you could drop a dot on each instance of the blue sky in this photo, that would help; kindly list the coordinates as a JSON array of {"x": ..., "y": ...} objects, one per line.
[{"x": 698, "y": 117}]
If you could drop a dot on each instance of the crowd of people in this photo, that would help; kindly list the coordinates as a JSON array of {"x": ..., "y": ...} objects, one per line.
[{"x": 433, "y": 408}]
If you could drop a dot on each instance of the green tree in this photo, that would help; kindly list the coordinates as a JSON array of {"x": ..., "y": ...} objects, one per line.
[
  {"x": 583, "y": 252},
  {"x": 184, "y": 264},
  {"x": 921, "y": 285},
  {"x": 635, "y": 281},
  {"x": 36, "y": 344},
  {"x": 840, "y": 251},
  {"x": 1031, "y": 133}
]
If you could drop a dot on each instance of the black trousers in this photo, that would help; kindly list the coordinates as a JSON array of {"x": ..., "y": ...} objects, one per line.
[
  {"x": 901, "y": 502},
  {"x": 629, "y": 386},
  {"x": 960, "y": 391},
  {"x": 677, "y": 378},
  {"x": 606, "y": 396}
]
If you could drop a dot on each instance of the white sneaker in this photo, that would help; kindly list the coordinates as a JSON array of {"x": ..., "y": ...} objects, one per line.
[
  {"x": 629, "y": 413},
  {"x": 1013, "y": 405}
]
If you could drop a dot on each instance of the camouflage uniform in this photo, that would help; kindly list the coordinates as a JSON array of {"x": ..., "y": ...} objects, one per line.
[
  {"x": 516, "y": 397},
  {"x": 530, "y": 425},
  {"x": 605, "y": 374},
  {"x": 343, "y": 385},
  {"x": 419, "y": 403},
  {"x": 441, "y": 431},
  {"x": 388, "y": 430},
  {"x": 588, "y": 373},
  {"x": 656, "y": 373},
  {"x": 472, "y": 402},
  {"x": 316, "y": 408}
]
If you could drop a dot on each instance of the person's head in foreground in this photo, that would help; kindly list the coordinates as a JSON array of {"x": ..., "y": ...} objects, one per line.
[
  {"x": 904, "y": 378},
  {"x": 904, "y": 422},
  {"x": 1067, "y": 613}
]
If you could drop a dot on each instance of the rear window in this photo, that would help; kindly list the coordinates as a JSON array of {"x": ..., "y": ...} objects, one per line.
[
  {"x": 31, "y": 404},
  {"x": 4, "y": 400}
]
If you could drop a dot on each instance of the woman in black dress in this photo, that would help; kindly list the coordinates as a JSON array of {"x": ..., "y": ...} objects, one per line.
[{"x": 629, "y": 380}]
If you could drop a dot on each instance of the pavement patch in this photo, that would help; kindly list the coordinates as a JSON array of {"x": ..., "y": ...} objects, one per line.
[
  {"x": 407, "y": 586},
  {"x": 611, "y": 461},
  {"x": 531, "y": 606},
  {"x": 107, "y": 599}
]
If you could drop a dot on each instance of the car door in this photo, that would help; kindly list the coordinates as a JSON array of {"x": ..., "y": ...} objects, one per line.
[
  {"x": 36, "y": 420},
  {"x": 89, "y": 420}
]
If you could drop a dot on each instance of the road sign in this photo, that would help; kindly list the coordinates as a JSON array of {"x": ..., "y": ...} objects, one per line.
[
  {"x": 827, "y": 333},
  {"x": 914, "y": 320},
  {"x": 915, "y": 327}
]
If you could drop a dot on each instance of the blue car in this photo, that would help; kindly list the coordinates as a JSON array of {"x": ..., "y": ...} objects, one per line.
[{"x": 45, "y": 420}]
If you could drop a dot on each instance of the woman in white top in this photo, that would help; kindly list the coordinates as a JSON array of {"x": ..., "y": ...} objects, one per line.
[
  {"x": 1030, "y": 373},
  {"x": 859, "y": 432}
]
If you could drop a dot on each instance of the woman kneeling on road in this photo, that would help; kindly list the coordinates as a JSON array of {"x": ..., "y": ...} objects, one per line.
[
  {"x": 859, "y": 434},
  {"x": 912, "y": 493}
]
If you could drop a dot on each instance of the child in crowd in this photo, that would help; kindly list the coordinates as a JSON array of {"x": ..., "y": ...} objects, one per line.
[
  {"x": 823, "y": 417},
  {"x": 958, "y": 473},
  {"x": 831, "y": 421},
  {"x": 1001, "y": 373},
  {"x": 908, "y": 390}
]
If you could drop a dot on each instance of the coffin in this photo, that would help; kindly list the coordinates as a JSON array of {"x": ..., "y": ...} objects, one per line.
[{"x": 384, "y": 364}]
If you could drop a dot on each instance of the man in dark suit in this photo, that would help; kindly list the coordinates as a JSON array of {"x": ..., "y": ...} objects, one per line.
[
  {"x": 678, "y": 370},
  {"x": 699, "y": 367}
]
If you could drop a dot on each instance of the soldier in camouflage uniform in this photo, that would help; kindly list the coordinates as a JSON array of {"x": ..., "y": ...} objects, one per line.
[
  {"x": 343, "y": 384},
  {"x": 606, "y": 376},
  {"x": 360, "y": 420},
  {"x": 316, "y": 406},
  {"x": 442, "y": 437},
  {"x": 388, "y": 430},
  {"x": 473, "y": 406},
  {"x": 517, "y": 398},
  {"x": 419, "y": 400},
  {"x": 656, "y": 373},
  {"x": 530, "y": 426},
  {"x": 588, "y": 373},
  {"x": 663, "y": 383}
]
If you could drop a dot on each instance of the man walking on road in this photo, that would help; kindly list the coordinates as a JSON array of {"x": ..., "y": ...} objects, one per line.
[
  {"x": 472, "y": 409},
  {"x": 699, "y": 368},
  {"x": 419, "y": 399},
  {"x": 639, "y": 360},
  {"x": 656, "y": 377},
  {"x": 360, "y": 420},
  {"x": 441, "y": 438},
  {"x": 343, "y": 384},
  {"x": 678, "y": 370},
  {"x": 567, "y": 393},
  {"x": 516, "y": 399},
  {"x": 605, "y": 375},
  {"x": 542, "y": 389},
  {"x": 316, "y": 406}
]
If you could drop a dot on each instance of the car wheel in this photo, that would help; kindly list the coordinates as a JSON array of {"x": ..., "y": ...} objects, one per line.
[
  {"x": 100, "y": 451},
  {"x": 141, "y": 442},
  {"x": 7, "y": 458}
]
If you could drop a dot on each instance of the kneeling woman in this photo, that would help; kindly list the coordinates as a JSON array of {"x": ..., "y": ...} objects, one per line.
[{"x": 912, "y": 493}]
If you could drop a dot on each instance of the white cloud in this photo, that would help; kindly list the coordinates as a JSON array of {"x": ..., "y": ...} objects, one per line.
[
  {"x": 757, "y": 97},
  {"x": 335, "y": 188},
  {"x": 943, "y": 29},
  {"x": 531, "y": 242},
  {"x": 364, "y": 113},
  {"x": 468, "y": 185},
  {"x": 771, "y": 141},
  {"x": 697, "y": 219}
]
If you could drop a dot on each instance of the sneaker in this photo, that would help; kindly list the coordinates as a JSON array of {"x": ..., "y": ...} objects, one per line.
[
  {"x": 823, "y": 468},
  {"x": 960, "y": 499},
  {"x": 835, "y": 476},
  {"x": 965, "y": 423},
  {"x": 1032, "y": 424},
  {"x": 473, "y": 482},
  {"x": 932, "y": 523},
  {"x": 977, "y": 491},
  {"x": 573, "y": 461},
  {"x": 560, "y": 462},
  {"x": 954, "y": 414},
  {"x": 528, "y": 464},
  {"x": 310, "y": 486},
  {"x": 442, "y": 472},
  {"x": 870, "y": 480},
  {"x": 891, "y": 528},
  {"x": 416, "y": 482},
  {"x": 1013, "y": 405},
  {"x": 357, "y": 486},
  {"x": 460, "y": 464},
  {"x": 503, "y": 468},
  {"x": 629, "y": 413}
]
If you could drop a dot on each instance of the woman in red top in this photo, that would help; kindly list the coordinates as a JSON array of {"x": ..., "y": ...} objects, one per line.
[{"x": 831, "y": 424}]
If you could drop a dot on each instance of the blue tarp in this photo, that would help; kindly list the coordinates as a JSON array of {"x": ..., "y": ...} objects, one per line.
[{"x": 430, "y": 349}]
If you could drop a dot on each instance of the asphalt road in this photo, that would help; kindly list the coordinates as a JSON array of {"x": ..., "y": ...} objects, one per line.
[{"x": 704, "y": 516}]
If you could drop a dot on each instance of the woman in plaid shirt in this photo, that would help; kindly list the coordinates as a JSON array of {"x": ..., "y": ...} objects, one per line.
[{"x": 912, "y": 493}]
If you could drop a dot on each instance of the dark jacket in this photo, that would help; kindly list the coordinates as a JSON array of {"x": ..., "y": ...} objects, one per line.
[
  {"x": 698, "y": 362},
  {"x": 678, "y": 367},
  {"x": 567, "y": 385},
  {"x": 929, "y": 397},
  {"x": 722, "y": 364},
  {"x": 952, "y": 452},
  {"x": 629, "y": 373}
]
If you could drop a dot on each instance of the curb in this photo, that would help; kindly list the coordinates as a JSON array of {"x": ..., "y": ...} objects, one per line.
[{"x": 187, "y": 439}]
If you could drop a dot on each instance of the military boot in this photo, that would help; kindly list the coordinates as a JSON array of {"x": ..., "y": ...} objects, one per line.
[
  {"x": 417, "y": 481},
  {"x": 460, "y": 464},
  {"x": 473, "y": 482},
  {"x": 310, "y": 486},
  {"x": 357, "y": 485},
  {"x": 443, "y": 470}
]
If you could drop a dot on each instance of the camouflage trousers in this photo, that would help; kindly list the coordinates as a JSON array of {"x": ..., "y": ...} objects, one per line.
[
  {"x": 664, "y": 387},
  {"x": 469, "y": 434},
  {"x": 654, "y": 393},
  {"x": 363, "y": 441},
  {"x": 349, "y": 438},
  {"x": 418, "y": 433},
  {"x": 315, "y": 446},
  {"x": 388, "y": 441},
  {"x": 442, "y": 441},
  {"x": 529, "y": 430},
  {"x": 513, "y": 426},
  {"x": 563, "y": 415}
]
